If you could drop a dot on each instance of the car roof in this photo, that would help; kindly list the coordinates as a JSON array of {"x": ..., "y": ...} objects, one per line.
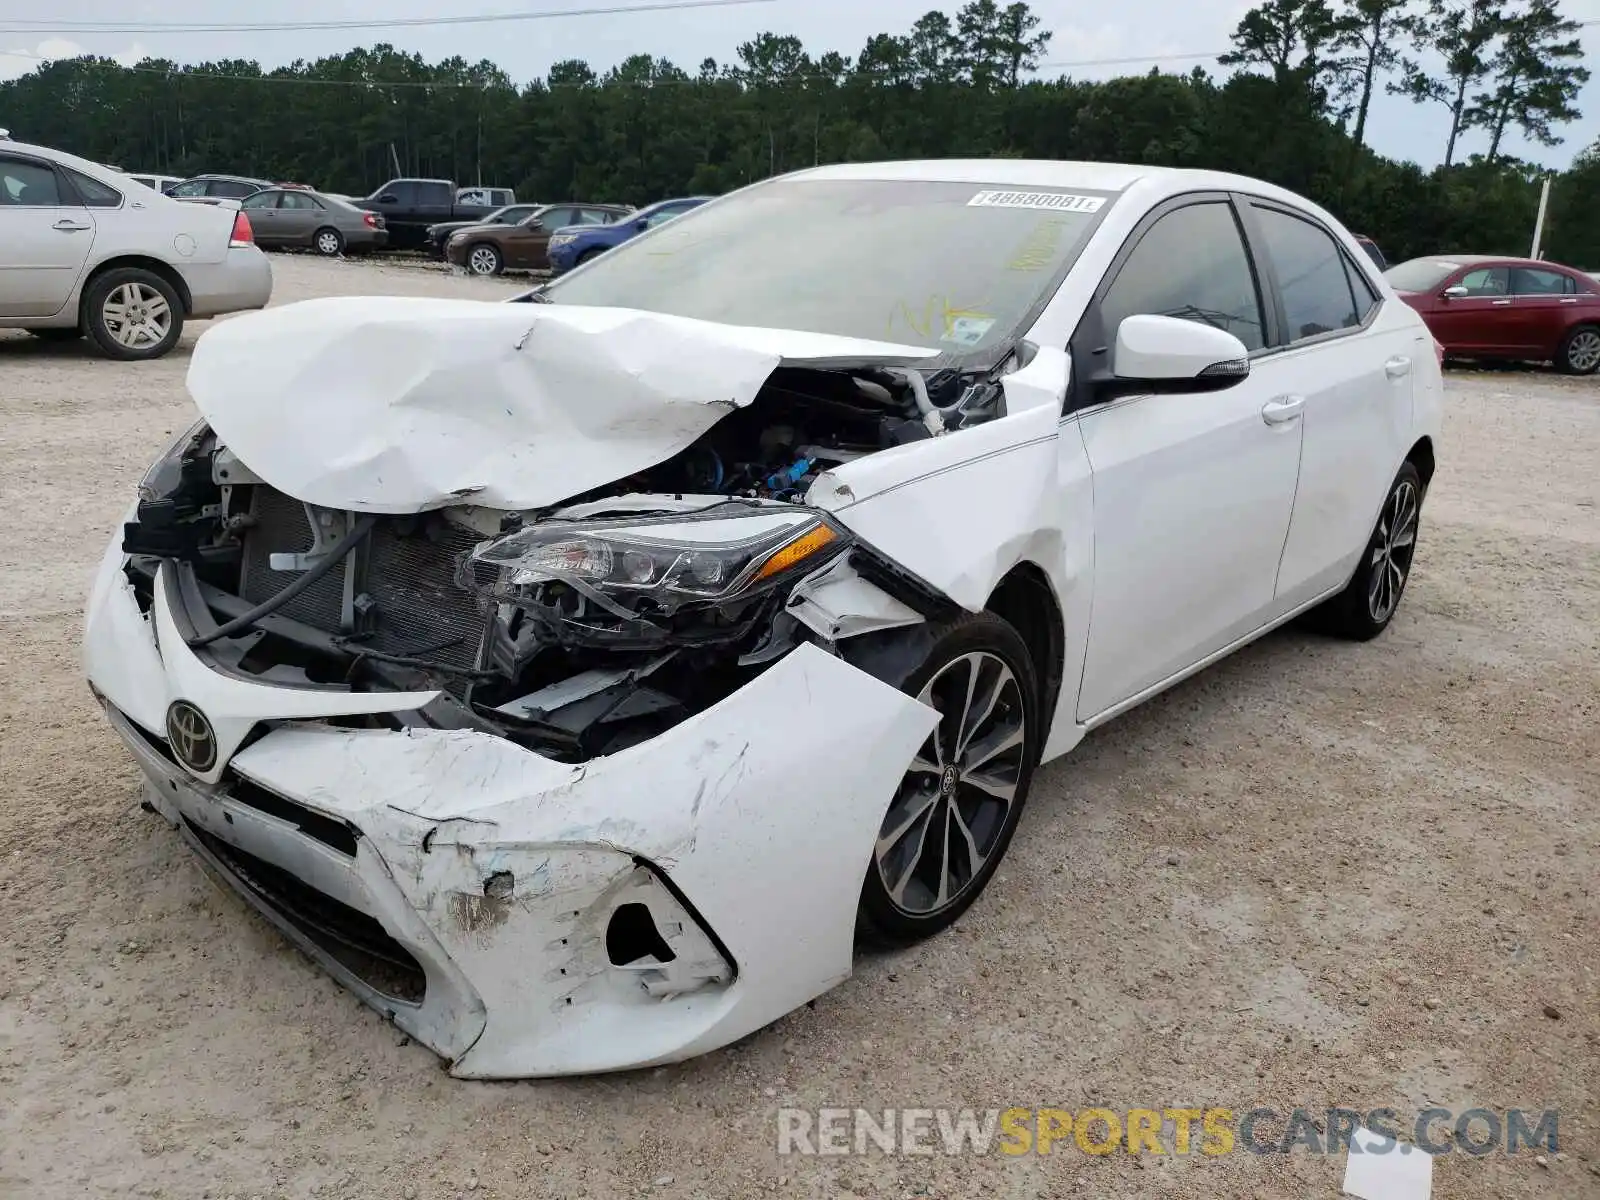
[
  {"x": 1498, "y": 260},
  {"x": 1153, "y": 182},
  {"x": 93, "y": 169}
]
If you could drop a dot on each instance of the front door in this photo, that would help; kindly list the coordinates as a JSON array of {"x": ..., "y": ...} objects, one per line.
[{"x": 1192, "y": 493}]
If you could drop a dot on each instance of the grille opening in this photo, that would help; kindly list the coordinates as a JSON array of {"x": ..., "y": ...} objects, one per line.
[
  {"x": 631, "y": 935},
  {"x": 328, "y": 830},
  {"x": 357, "y": 942}
]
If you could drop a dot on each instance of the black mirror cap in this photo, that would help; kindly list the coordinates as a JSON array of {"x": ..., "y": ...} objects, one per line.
[{"x": 1218, "y": 377}]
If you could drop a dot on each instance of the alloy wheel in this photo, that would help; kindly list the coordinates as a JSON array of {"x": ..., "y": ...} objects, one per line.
[
  {"x": 483, "y": 261},
  {"x": 1393, "y": 546},
  {"x": 137, "y": 315},
  {"x": 952, "y": 806},
  {"x": 1583, "y": 351}
]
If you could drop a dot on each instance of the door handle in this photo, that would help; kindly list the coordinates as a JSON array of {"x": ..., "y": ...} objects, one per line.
[
  {"x": 1397, "y": 367},
  {"x": 1283, "y": 409},
  {"x": 1499, "y": 303},
  {"x": 1571, "y": 300},
  {"x": 67, "y": 225}
]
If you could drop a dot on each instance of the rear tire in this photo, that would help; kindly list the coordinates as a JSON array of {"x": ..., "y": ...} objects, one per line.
[
  {"x": 1580, "y": 351},
  {"x": 1368, "y": 603},
  {"x": 328, "y": 242},
  {"x": 484, "y": 259},
  {"x": 952, "y": 817},
  {"x": 132, "y": 314}
]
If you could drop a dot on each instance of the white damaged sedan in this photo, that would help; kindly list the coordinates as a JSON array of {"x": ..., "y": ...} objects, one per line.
[{"x": 577, "y": 680}]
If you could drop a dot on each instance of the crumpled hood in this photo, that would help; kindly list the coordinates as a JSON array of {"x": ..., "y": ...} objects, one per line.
[{"x": 397, "y": 404}]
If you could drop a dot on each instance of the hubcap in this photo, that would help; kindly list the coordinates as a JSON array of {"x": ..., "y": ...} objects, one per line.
[
  {"x": 1583, "y": 352},
  {"x": 1392, "y": 547},
  {"x": 483, "y": 261},
  {"x": 137, "y": 315},
  {"x": 953, "y": 804},
  {"x": 328, "y": 244}
]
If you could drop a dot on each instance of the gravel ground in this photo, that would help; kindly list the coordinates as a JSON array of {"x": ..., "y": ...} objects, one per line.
[{"x": 1317, "y": 874}]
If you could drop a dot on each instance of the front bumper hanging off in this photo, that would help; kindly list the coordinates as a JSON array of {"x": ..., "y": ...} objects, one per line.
[{"x": 519, "y": 916}]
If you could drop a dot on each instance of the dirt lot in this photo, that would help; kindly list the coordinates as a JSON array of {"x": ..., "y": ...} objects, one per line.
[{"x": 1317, "y": 874}]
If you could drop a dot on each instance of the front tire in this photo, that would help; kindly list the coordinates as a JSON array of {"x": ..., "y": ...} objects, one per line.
[
  {"x": 1368, "y": 603},
  {"x": 483, "y": 259},
  {"x": 132, "y": 314},
  {"x": 1580, "y": 351},
  {"x": 952, "y": 817},
  {"x": 328, "y": 242}
]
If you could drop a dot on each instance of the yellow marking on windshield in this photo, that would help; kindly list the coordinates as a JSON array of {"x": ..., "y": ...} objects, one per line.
[
  {"x": 1039, "y": 249},
  {"x": 938, "y": 310}
]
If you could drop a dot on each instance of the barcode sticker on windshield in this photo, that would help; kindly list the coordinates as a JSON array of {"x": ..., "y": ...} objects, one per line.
[{"x": 1047, "y": 201}]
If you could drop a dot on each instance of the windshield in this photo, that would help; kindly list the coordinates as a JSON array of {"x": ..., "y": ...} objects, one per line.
[
  {"x": 950, "y": 266},
  {"x": 1421, "y": 274}
]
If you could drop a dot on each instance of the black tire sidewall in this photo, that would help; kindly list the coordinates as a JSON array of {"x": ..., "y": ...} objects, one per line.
[
  {"x": 94, "y": 301},
  {"x": 316, "y": 242},
  {"x": 879, "y": 920},
  {"x": 1352, "y": 618}
]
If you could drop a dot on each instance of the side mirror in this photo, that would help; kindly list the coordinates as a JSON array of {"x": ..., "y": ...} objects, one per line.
[
  {"x": 1170, "y": 355},
  {"x": 1454, "y": 292},
  {"x": 388, "y": 198}
]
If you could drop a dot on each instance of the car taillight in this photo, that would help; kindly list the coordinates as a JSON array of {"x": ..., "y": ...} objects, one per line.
[
  {"x": 371, "y": 220},
  {"x": 243, "y": 235}
]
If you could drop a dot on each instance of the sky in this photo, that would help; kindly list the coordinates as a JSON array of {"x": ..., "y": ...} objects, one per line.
[{"x": 1144, "y": 32}]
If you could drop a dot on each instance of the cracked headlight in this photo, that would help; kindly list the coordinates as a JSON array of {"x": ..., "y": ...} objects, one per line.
[
  {"x": 643, "y": 568},
  {"x": 563, "y": 239}
]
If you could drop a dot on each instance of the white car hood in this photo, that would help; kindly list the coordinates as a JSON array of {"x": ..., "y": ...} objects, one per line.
[{"x": 398, "y": 404}]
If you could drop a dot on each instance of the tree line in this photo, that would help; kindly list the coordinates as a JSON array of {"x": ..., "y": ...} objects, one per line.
[{"x": 1293, "y": 104}]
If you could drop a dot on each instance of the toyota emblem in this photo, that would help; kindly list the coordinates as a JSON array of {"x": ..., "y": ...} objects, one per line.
[{"x": 194, "y": 744}]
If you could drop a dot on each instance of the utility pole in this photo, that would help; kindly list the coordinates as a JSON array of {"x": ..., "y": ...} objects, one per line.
[{"x": 1538, "y": 224}]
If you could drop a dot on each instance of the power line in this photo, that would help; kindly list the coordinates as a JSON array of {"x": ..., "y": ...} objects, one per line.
[{"x": 15, "y": 25}]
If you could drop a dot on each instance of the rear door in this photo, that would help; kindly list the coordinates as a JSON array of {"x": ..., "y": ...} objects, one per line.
[
  {"x": 1546, "y": 303},
  {"x": 46, "y": 234},
  {"x": 1351, "y": 357}
]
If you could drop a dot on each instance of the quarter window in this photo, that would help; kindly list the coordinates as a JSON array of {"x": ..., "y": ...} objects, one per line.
[
  {"x": 1366, "y": 295},
  {"x": 92, "y": 192},
  {"x": 28, "y": 184},
  {"x": 1190, "y": 264},
  {"x": 1312, "y": 276}
]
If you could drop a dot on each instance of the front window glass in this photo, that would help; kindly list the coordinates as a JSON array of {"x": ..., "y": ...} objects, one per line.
[
  {"x": 1487, "y": 281},
  {"x": 956, "y": 267},
  {"x": 1191, "y": 264},
  {"x": 261, "y": 200},
  {"x": 1421, "y": 274},
  {"x": 195, "y": 187}
]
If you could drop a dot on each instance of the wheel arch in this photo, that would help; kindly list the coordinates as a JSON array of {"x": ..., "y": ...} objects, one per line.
[
  {"x": 1026, "y": 601},
  {"x": 142, "y": 262},
  {"x": 1421, "y": 456}
]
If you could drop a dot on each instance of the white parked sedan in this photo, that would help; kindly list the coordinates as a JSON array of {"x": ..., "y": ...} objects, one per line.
[
  {"x": 85, "y": 250},
  {"x": 576, "y": 680}
]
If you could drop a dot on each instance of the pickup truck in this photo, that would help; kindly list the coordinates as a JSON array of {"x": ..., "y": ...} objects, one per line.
[{"x": 410, "y": 206}]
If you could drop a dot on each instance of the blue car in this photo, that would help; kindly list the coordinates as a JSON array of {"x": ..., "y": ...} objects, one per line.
[{"x": 576, "y": 244}]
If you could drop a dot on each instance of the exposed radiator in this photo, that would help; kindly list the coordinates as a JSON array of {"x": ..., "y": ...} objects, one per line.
[{"x": 410, "y": 578}]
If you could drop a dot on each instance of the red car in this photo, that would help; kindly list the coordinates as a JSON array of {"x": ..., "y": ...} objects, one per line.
[{"x": 1505, "y": 308}]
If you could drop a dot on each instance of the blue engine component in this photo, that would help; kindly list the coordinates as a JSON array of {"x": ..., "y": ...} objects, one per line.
[{"x": 784, "y": 480}]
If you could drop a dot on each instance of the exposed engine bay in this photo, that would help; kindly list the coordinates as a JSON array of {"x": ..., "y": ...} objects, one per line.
[{"x": 575, "y": 630}]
